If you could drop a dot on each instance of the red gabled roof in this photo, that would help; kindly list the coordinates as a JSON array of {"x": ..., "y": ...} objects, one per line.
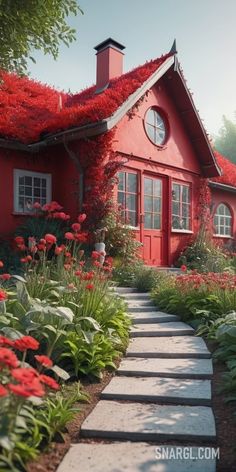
[
  {"x": 30, "y": 109},
  {"x": 228, "y": 169}
]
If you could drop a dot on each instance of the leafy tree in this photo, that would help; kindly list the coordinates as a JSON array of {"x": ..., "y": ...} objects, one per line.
[
  {"x": 225, "y": 142},
  {"x": 33, "y": 24}
]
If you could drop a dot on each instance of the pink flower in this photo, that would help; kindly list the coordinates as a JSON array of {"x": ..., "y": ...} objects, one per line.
[
  {"x": 82, "y": 217},
  {"x": 76, "y": 227},
  {"x": 69, "y": 236},
  {"x": 50, "y": 238}
]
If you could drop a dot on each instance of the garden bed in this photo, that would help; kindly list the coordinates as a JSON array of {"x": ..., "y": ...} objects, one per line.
[{"x": 50, "y": 460}]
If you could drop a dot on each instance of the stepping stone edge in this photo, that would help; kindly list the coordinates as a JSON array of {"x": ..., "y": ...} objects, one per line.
[
  {"x": 149, "y": 422},
  {"x": 131, "y": 457}
]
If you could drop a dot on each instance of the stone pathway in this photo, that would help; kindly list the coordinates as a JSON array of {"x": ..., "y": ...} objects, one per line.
[{"x": 161, "y": 392}]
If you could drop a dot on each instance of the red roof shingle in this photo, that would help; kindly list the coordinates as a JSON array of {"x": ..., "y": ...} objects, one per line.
[{"x": 228, "y": 169}]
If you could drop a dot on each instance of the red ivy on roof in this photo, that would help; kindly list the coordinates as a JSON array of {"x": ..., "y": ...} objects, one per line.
[
  {"x": 30, "y": 109},
  {"x": 228, "y": 169}
]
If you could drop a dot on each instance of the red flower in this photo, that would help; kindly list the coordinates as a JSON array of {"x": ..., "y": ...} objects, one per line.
[
  {"x": 70, "y": 236},
  {"x": 89, "y": 286},
  {"x": 183, "y": 268},
  {"x": 37, "y": 206},
  {"x": 3, "y": 296},
  {"x": 76, "y": 227},
  {"x": 34, "y": 388},
  {"x": 49, "y": 381},
  {"x": 23, "y": 260},
  {"x": 26, "y": 342},
  {"x": 88, "y": 275},
  {"x": 8, "y": 358},
  {"x": 41, "y": 247},
  {"x": 5, "y": 341},
  {"x": 19, "y": 240},
  {"x": 97, "y": 264},
  {"x": 24, "y": 375},
  {"x": 59, "y": 250},
  {"x": 1, "y": 264},
  {"x": 81, "y": 237},
  {"x": 82, "y": 217},
  {"x": 44, "y": 360},
  {"x": 95, "y": 254},
  {"x": 78, "y": 273},
  {"x": 67, "y": 266},
  {"x": 3, "y": 391},
  {"x": 29, "y": 258},
  {"x": 5, "y": 276},
  {"x": 50, "y": 238},
  {"x": 61, "y": 216}
]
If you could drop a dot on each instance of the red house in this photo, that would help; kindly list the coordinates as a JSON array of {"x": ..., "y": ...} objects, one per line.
[{"x": 142, "y": 126}]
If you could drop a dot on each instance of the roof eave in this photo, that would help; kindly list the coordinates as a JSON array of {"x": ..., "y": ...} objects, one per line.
[
  {"x": 220, "y": 186},
  {"x": 213, "y": 165}
]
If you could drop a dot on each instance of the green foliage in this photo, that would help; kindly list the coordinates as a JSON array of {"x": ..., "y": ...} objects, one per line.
[
  {"x": 89, "y": 353},
  {"x": 27, "y": 25},
  {"x": 37, "y": 226},
  {"x": 225, "y": 142},
  {"x": 202, "y": 255},
  {"x": 37, "y": 425},
  {"x": 146, "y": 278},
  {"x": 120, "y": 239},
  {"x": 197, "y": 296}
]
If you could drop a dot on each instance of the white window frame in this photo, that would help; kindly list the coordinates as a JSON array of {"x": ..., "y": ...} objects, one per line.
[
  {"x": 181, "y": 202},
  {"x": 27, "y": 173},
  {"x": 224, "y": 226},
  {"x": 127, "y": 171}
]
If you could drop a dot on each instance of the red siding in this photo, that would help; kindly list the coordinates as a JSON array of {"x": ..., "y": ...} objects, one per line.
[
  {"x": 177, "y": 160},
  {"x": 53, "y": 161}
]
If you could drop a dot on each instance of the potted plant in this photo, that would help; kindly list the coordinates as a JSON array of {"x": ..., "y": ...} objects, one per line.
[{"x": 100, "y": 235}]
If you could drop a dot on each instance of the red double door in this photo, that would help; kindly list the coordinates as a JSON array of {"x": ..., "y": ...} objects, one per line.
[{"x": 144, "y": 198}]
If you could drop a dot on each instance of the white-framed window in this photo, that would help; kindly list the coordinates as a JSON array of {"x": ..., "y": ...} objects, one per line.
[
  {"x": 29, "y": 188},
  {"x": 155, "y": 127},
  {"x": 181, "y": 207},
  {"x": 223, "y": 221},
  {"x": 128, "y": 196}
]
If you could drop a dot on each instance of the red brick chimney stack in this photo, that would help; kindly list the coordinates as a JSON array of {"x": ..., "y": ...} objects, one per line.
[{"x": 109, "y": 62}]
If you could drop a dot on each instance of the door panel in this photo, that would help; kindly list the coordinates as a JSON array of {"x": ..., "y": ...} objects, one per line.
[{"x": 154, "y": 220}]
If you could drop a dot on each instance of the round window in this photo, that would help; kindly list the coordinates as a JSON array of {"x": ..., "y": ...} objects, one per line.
[{"x": 155, "y": 127}]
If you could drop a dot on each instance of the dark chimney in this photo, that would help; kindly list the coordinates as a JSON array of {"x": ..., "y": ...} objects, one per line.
[{"x": 109, "y": 62}]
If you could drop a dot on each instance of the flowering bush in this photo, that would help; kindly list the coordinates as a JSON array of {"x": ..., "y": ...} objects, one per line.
[
  {"x": 20, "y": 385},
  {"x": 195, "y": 295}
]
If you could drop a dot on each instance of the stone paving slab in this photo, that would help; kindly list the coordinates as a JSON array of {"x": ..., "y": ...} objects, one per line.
[
  {"x": 132, "y": 457},
  {"x": 175, "y": 368},
  {"x": 136, "y": 308},
  {"x": 139, "y": 303},
  {"x": 159, "y": 390},
  {"x": 136, "y": 296},
  {"x": 173, "y": 346},
  {"x": 161, "y": 329},
  {"x": 149, "y": 422},
  {"x": 124, "y": 290},
  {"x": 152, "y": 316}
]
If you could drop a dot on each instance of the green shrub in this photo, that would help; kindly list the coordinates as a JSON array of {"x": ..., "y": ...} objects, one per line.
[
  {"x": 203, "y": 255},
  {"x": 146, "y": 278}
]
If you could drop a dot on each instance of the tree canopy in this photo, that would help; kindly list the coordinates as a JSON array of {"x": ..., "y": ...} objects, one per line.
[
  {"x": 225, "y": 142},
  {"x": 26, "y": 25}
]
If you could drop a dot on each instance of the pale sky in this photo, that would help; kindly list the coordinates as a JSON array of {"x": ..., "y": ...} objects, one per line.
[{"x": 205, "y": 31}]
